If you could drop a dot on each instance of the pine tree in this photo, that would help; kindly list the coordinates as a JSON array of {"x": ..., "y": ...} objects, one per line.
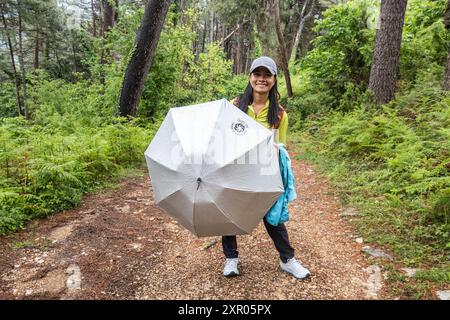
[
  {"x": 144, "y": 50},
  {"x": 386, "y": 57}
]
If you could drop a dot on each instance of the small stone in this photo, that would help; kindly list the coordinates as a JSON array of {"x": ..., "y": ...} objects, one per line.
[
  {"x": 377, "y": 253},
  {"x": 410, "y": 272},
  {"x": 136, "y": 246},
  {"x": 350, "y": 212},
  {"x": 29, "y": 292},
  {"x": 359, "y": 240},
  {"x": 443, "y": 294},
  {"x": 374, "y": 282}
]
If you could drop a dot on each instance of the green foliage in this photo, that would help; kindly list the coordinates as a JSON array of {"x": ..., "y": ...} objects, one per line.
[
  {"x": 67, "y": 106},
  {"x": 173, "y": 59},
  {"x": 392, "y": 162},
  {"x": 342, "y": 51},
  {"x": 425, "y": 42},
  {"x": 46, "y": 170},
  {"x": 74, "y": 143},
  {"x": 7, "y": 100},
  {"x": 235, "y": 86},
  {"x": 206, "y": 80}
]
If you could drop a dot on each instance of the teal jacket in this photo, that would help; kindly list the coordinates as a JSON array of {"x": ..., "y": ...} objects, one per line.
[{"x": 279, "y": 212}]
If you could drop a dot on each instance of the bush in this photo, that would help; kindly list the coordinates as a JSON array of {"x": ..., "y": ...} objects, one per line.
[
  {"x": 398, "y": 153},
  {"x": 43, "y": 171}
]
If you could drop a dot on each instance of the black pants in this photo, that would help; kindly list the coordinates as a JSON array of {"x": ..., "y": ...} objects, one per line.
[{"x": 278, "y": 234}]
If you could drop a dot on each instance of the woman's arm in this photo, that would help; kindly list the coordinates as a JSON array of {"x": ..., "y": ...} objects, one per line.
[{"x": 283, "y": 128}]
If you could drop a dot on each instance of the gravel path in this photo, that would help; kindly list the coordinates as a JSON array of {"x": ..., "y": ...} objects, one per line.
[{"x": 119, "y": 245}]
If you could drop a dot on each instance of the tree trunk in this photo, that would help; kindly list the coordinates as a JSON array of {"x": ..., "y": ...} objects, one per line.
[
  {"x": 94, "y": 18},
  {"x": 383, "y": 74},
  {"x": 37, "y": 49},
  {"x": 298, "y": 35},
  {"x": 47, "y": 50},
  {"x": 22, "y": 68},
  {"x": 181, "y": 10},
  {"x": 139, "y": 65},
  {"x": 109, "y": 21},
  {"x": 282, "y": 48},
  {"x": 109, "y": 14},
  {"x": 446, "y": 82},
  {"x": 239, "y": 61},
  {"x": 13, "y": 64},
  {"x": 211, "y": 27},
  {"x": 204, "y": 38},
  {"x": 74, "y": 55}
]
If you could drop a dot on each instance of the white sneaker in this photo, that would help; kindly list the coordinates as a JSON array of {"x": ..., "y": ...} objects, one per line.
[
  {"x": 231, "y": 267},
  {"x": 294, "y": 267}
]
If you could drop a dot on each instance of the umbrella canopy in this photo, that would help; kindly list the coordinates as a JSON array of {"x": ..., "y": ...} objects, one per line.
[{"x": 214, "y": 169}]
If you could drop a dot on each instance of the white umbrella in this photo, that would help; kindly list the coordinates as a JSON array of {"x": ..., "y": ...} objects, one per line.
[{"x": 214, "y": 169}]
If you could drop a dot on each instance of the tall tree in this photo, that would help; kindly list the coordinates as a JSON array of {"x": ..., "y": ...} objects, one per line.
[
  {"x": 383, "y": 74},
  {"x": 305, "y": 14},
  {"x": 13, "y": 63},
  {"x": 37, "y": 49},
  {"x": 282, "y": 47},
  {"x": 144, "y": 50},
  {"x": 22, "y": 63},
  {"x": 110, "y": 13},
  {"x": 446, "y": 82},
  {"x": 94, "y": 19},
  {"x": 110, "y": 9}
]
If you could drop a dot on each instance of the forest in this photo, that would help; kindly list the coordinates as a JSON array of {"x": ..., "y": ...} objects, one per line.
[{"x": 85, "y": 84}]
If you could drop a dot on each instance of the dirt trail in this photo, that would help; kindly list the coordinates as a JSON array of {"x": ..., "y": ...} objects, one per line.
[{"x": 119, "y": 245}]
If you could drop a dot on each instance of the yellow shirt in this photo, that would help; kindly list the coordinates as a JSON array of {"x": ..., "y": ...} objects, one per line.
[{"x": 261, "y": 117}]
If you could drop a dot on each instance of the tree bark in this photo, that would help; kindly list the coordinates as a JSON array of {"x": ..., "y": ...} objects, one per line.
[
  {"x": 211, "y": 27},
  {"x": 13, "y": 64},
  {"x": 37, "y": 49},
  {"x": 282, "y": 48},
  {"x": 22, "y": 68},
  {"x": 109, "y": 21},
  {"x": 94, "y": 19},
  {"x": 181, "y": 10},
  {"x": 224, "y": 39},
  {"x": 140, "y": 62},
  {"x": 446, "y": 81},
  {"x": 109, "y": 14},
  {"x": 205, "y": 30},
  {"x": 303, "y": 19},
  {"x": 383, "y": 75},
  {"x": 239, "y": 53}
]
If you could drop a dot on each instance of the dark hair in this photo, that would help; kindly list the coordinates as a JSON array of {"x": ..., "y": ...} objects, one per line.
[{"x": 274, "y": 113}]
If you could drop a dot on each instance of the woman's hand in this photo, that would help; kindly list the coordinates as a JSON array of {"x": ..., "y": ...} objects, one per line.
[{"x": 277, "y": 147}]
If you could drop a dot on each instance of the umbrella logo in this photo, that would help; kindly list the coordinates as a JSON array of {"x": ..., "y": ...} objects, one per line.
[{"x": 239, "y": 127}]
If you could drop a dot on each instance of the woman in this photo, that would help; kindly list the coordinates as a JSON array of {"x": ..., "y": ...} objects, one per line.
[{"x": 260, "y": 101}]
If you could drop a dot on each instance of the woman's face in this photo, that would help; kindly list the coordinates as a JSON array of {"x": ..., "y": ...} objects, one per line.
[{"x": 262, "y": 80}]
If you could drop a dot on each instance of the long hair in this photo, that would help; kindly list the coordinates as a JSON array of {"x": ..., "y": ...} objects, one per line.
[{"x": 274, "y": 113}]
